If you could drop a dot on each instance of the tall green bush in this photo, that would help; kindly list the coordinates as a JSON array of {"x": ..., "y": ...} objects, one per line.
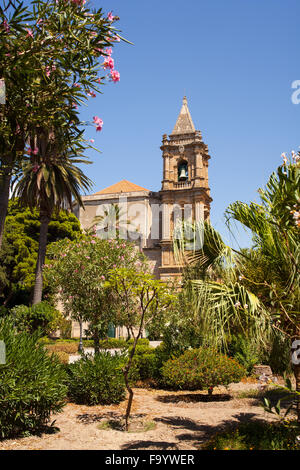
[{"x": 31, "y": 383}]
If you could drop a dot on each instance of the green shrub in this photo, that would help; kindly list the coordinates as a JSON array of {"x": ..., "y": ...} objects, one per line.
[
  {"x": 41, "y": 316},
  {"x": 200, "y": 369},
  {"x": 141, "y": 341},
  {"x": 96, "y": 380},
  {"x": 31, "y": 383},
  {"x": 145, "y": 361}
]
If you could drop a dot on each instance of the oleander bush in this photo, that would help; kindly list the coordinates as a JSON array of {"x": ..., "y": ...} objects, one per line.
[
  {"x": 96, "y": 380},
  {"x": 200, "y": 369},
  {"x": 32, "y": 383}
]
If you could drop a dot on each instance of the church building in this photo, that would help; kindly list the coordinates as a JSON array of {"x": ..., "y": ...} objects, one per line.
[{"x": 148, "y": 218}]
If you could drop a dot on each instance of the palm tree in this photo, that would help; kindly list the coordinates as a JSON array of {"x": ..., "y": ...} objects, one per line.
[
  {"x": 223, "y": 305},
  {"x": 271, "y": 302},
  {"x": 113, "y": 221},
  {"x": 50, "y": 181}
]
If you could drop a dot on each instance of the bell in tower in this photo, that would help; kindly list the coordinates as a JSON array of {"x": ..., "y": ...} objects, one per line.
[{"x": 182, "y": 172}]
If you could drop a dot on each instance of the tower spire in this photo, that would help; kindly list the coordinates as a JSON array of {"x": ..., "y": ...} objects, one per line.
[{"x": 184, "y": 123}]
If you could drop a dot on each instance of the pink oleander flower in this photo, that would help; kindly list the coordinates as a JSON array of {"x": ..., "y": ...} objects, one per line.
[
  {"x": 29, "y": 33},
  {"x": 115, "y": 76},
  {"x": 108, "y": 51},
  {"x": 110, "y": 16},
  {"x": 76, "y": 85},
  {"x": 92, "y": 94},
  {"x": 35, "y": 168},
  {"x": 48, "y": 71},
  {"x": 6, "y": 26},
  {"x": 92, "y": 141},
  {"x": 108, "y": 63},
  {"x": 115, "y": 38},
  {"x": 98, "y": 122}
]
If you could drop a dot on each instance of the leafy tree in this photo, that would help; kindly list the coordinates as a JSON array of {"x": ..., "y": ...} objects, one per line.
[
  {"x": 77, "y": 274},
  {"x": 62, "y": 72},
  {"x": 20, "y": 246},
  {"x": 142, "y": 301}
]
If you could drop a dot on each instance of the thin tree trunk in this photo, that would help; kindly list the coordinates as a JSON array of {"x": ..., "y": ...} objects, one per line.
[
  {"x": 38, "y": 286},
  {"x": 4, "y": 197},
  {"x": 96, "y": 339},
  {"x": 296, "y": 370},
  {"x": 297, "y": 377},
  {"x": 80, "y": 346},
  {"x": 129, "y": 389}
]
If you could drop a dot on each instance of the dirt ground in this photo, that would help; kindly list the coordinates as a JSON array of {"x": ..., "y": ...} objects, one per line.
[{"x": 176, "y": 420}]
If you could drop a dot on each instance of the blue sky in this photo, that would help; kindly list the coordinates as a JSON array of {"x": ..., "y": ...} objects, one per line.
[{"x": 235, "y": 61}]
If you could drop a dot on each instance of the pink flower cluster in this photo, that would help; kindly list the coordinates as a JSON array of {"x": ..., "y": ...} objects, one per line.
[
  {"x": 98, "y": 123},
  {"x": 115, "y": 76},
  {"x": 31, "y": 151},
  {"x": 49, "y": 70},
  {"x": 110, "y": 64}
]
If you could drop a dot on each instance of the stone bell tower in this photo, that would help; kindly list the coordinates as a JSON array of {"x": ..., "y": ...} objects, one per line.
[{"x": 185, "y": 190}]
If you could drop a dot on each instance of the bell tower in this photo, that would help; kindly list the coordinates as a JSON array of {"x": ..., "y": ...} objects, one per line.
[{"x": 185, "y": 190}]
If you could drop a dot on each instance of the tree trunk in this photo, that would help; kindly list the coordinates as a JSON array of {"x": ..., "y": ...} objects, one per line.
[
  {"x": 297, "y": 377},
  {"x": 4, "y": 197},
  {"x": 38, "y": 286},
  {"x": 80, "y": 346},
  {"x": 129, "y": 389},
  {"x": 296, "y": 368},
  {"x": 96, "y": 338}
]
